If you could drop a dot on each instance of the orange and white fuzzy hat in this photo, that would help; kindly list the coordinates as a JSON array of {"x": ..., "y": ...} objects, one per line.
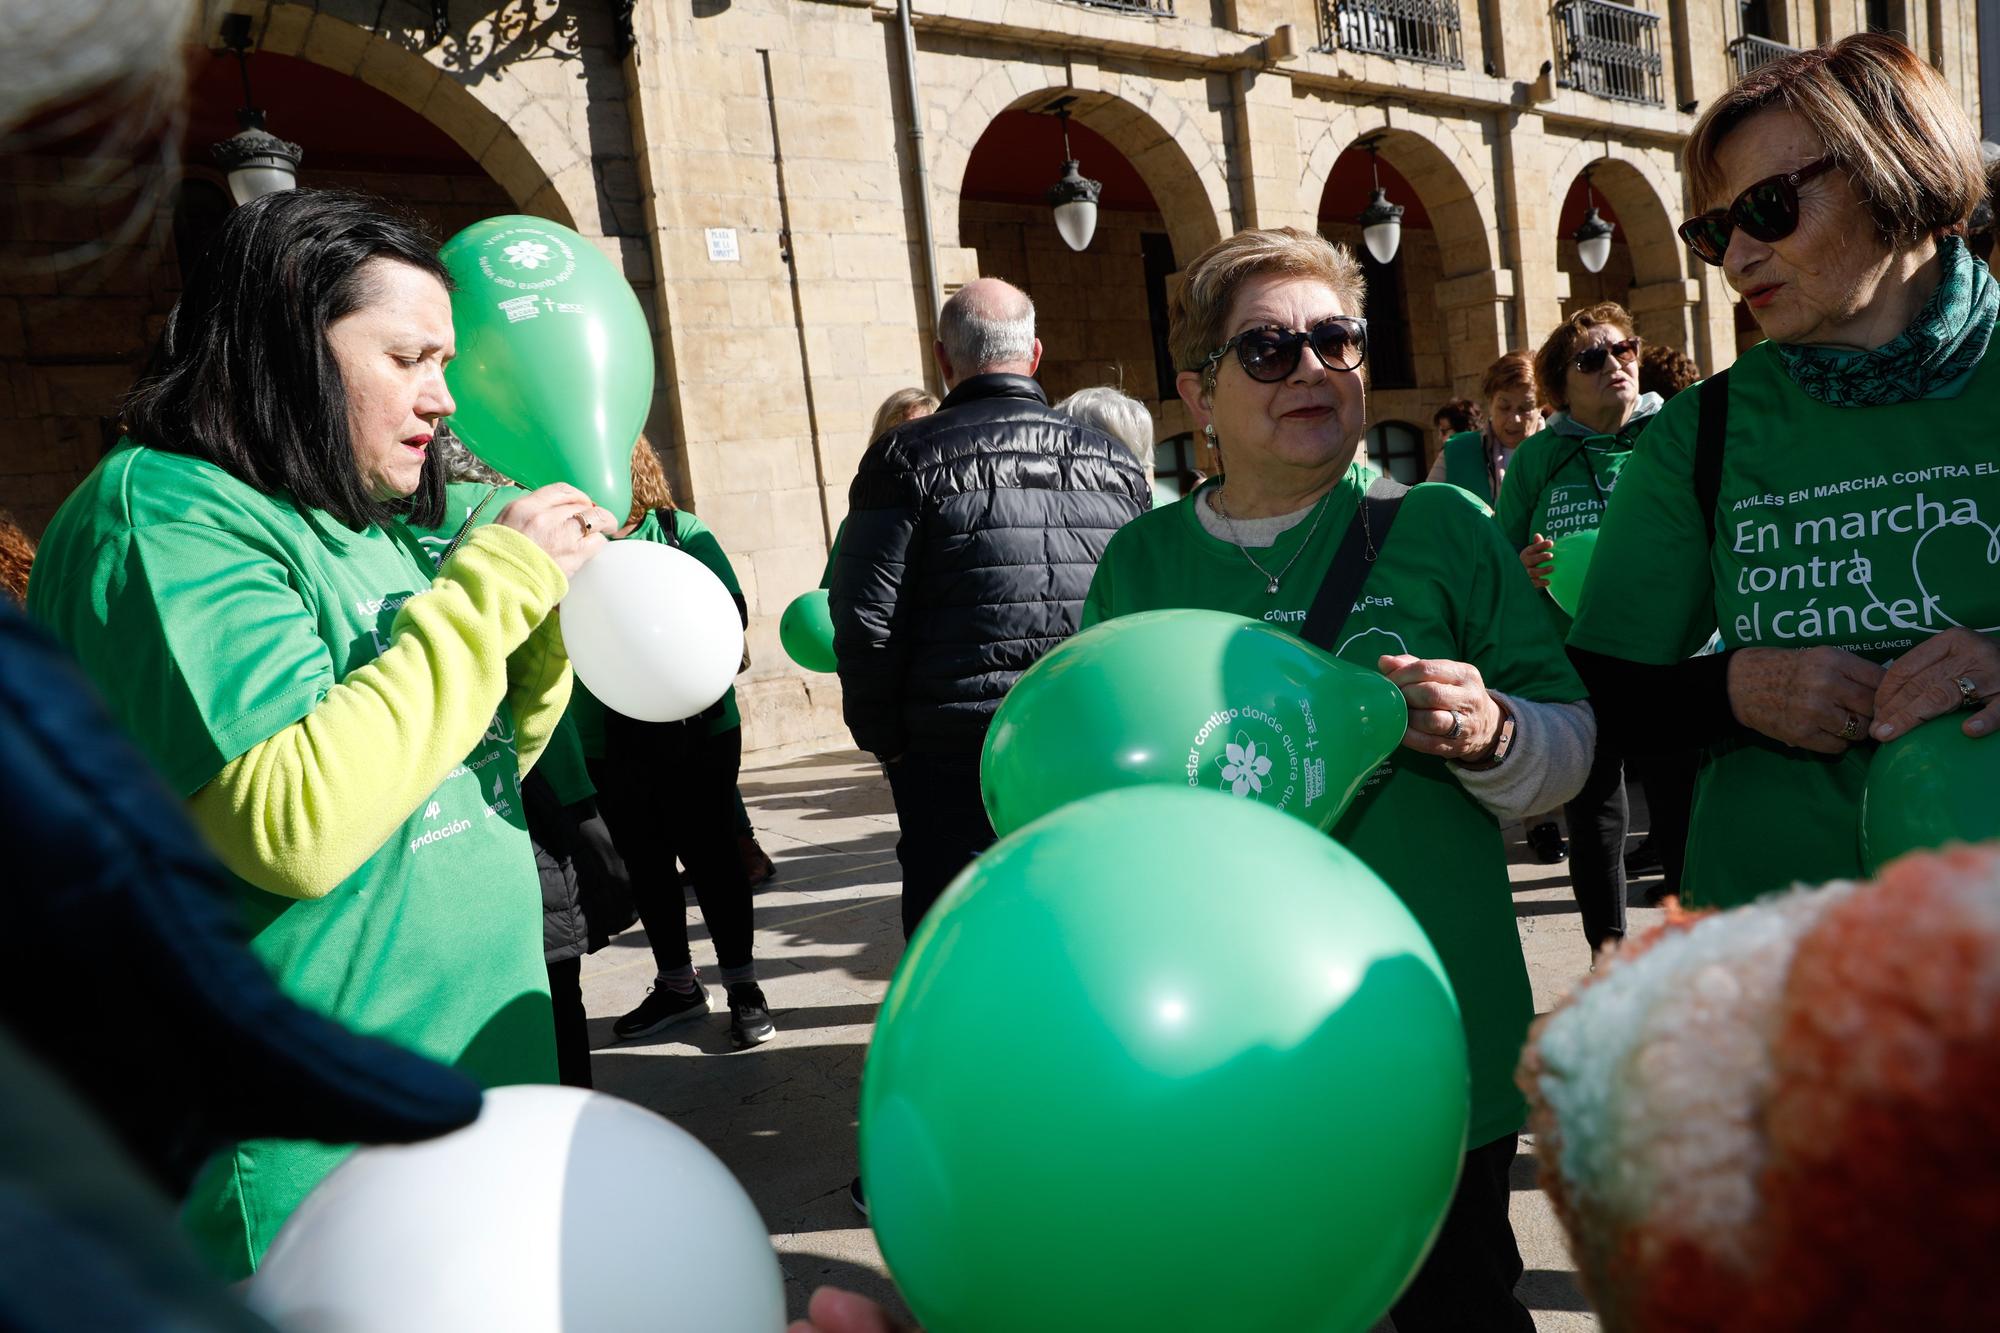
[{"x": 1787, "y": 1116}]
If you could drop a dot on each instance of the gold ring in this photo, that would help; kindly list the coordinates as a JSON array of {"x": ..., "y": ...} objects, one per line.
[
  {"x": 584, "y": 523},
  {"x": 1852, "y": 730},
  {"x": 1968, "y": 693}
]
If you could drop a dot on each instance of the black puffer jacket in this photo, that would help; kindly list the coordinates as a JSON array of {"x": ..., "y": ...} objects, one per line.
[{"x": 971, "y": 538}]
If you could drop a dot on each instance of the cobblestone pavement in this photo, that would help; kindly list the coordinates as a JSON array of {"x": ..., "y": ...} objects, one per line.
[{"x": 828, "y": 937}]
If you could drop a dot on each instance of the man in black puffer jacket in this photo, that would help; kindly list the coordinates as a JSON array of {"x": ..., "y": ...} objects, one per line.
[{"x": 971, "y": 538}]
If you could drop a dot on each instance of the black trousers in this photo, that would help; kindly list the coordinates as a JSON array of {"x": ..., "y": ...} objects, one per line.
[
  {"x": 1597, "y": 822},
  {"x": 943, "y": 822},
  {"x": 1467, "y": 1283},
  {"x": 1669, "y": 784},
  {"x": 572, "y": 1027},
  {"x": 668, "y": 791}
]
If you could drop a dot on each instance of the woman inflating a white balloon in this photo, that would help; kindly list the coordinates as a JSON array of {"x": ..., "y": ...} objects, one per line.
[{"x": 349, "y": 730}]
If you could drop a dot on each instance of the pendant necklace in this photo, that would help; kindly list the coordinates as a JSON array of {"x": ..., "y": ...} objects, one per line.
[{"x": 1271, "y": 584}]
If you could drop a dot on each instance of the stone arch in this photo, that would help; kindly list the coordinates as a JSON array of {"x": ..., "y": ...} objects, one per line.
[
  {"x": 1141, "y": 117},
  {"x": 1639, "y": 192},
  {"x": 554, "y": 182},
  {"x": 1440, "y": 166}
]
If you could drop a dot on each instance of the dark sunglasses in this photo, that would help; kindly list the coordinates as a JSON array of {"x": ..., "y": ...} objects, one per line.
[
  {"x": 1591, "y": 359},
  {"x": 1269, "y": 354},
  {"x": 1768, "y": 210}
]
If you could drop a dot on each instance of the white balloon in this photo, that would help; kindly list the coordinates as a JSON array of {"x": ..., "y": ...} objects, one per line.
[
  {"x": 558, "y": 1209},
  {"x": 651, "y": 631}
]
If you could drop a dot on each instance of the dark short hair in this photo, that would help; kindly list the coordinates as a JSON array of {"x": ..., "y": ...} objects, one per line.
[
  {"x": 243, "y": 375},
  {"x": 1664, "y": 371},
  {"x": 1552, "y": 358},
  {"x": 1460, "y": 414}
]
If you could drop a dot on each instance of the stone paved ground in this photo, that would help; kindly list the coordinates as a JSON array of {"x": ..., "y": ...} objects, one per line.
[{"x": 782, "y": 1116}]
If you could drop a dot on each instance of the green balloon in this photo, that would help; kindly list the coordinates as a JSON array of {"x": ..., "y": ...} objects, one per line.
[
  {"x": 806, "y": 630},
  {"x": 1572, "y": 556},
  {"x": 1163, "y": 1060},
  {"x": 1930, "y": 786},
  {"x": 1190, "y": 699},
  {"x": 554, "y": 374}
]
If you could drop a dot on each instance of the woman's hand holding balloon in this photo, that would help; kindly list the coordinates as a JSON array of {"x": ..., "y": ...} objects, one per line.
[
  {"x": 563, "y": 521},
  {"x": 836, "y": 1311},
  {"x": 1924, "y": 683},
  {"x": 1452, "y": 715},
  {"x": 1537, "y": 559},
  {"x": 1819, "y": 699}
]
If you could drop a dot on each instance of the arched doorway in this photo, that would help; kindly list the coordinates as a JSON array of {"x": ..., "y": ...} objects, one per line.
[
  {"x": 1101, "y": 312},
  {"x": 1646, "y": 271}
]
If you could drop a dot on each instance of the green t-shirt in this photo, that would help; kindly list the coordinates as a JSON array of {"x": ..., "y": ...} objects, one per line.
[
  {"x": 1556, "y": 485},
  {"x": 1468, "y": 466},
  {"x": 210, "y": 617},
  {"x": 1867, "y": 528},
  {"x": 1446, "y": 586},
  {"x": 696, "y": 539}
]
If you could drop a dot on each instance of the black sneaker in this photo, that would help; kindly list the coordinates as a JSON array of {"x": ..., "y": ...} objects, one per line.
[
  {"x": 1545, "y": 840},
  {"x": 663, "y": 1007},
  {"x": 749, "y": 1015},
  {"x": 854, "y": 1196}
]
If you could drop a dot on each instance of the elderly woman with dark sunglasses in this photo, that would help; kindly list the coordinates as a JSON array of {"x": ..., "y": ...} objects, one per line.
[
  {"x": 1266, "y": 333},
  {"x": 1827, "y": 504},
  {"x": 1557, "y": 484}
]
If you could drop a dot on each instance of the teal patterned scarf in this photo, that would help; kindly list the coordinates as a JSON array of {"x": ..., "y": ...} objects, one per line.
[{"x": 1932, "y": 356}]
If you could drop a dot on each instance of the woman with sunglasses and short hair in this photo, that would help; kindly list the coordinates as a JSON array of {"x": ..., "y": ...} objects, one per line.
[
  {"x": 1587, "y": 370},
  {"x": 1267, "y": 335},
  {"x": 1827, "y": 503}
]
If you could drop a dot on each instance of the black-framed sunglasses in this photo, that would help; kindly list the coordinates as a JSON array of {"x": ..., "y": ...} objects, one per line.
[
  {"x": 1269, "y": 353},
  {"x": 1591, "y": 359},
  {"x": 1768, "y": 210}
]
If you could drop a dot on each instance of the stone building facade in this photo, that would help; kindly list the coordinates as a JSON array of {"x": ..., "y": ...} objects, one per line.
[{"x": 760, "y": 172}]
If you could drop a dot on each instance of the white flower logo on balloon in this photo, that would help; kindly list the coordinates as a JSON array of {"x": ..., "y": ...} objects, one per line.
[
  {"x": 528, "y": 254},
  {"x": 1245, "y": 769}
]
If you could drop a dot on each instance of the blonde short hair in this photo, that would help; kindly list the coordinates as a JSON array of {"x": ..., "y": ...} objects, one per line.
[
  {"x": 900, "y": 406},
  {"x": 1198, "y": 314},
  {"x": 1887, "y": 118}
]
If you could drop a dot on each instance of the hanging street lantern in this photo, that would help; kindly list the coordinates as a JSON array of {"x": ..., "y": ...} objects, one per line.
[
  {"x": 257, "y": 162},
  {"x": 1074, "y": 197},
  {"x": 1381, "y": 222},
  {"x": 1593, "y": 236}
]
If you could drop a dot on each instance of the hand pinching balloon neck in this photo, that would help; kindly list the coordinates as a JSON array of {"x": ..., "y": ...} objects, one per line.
[
  {"x": 1194, "y": 699},
  {"x": 554, "y": 372}
]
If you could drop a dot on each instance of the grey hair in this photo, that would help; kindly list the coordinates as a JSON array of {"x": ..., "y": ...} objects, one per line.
[
  {"x": 1121, "y": 416},
  {"x": 979, "y": 332},
  {"x": 461, "y": 464}
]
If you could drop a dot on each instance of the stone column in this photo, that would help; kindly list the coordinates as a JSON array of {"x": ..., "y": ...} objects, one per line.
[
  {"x": 1524, "y": 157},
  {"x": 1666, "y": 312},
  {"x": 1476, "y": 311}
]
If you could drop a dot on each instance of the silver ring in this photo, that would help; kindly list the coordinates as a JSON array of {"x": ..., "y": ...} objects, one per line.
[
  {"x": 1968, "y": 693},
  {"x": 1851, "y": 731},
  {"x": 1457, "y": 726}
]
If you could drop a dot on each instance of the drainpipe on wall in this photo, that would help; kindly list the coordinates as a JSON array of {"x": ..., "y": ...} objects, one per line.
[{"x": 927, "y": 242}]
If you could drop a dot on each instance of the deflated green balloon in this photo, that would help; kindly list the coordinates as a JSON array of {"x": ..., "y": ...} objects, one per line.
[
  {"x": 1572, "y": 556},
  {"x": 1930, "y": 786},
  {"x": 806, "y": 630},
  {"x": 554, "y": 373},
  {"x": 1163, "y": 1060},
  {"x": 1189, "y": 698}
]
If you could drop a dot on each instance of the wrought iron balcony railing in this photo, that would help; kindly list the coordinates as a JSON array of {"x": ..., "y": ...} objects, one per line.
[
  {"x": 1754, "y": 52},
  {"x": 1609, "y": 49},
  {"x": 1426, "y": 31}
]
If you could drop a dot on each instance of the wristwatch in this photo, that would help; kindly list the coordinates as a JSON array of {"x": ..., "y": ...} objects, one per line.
[{"x": 1503, "y": 741}]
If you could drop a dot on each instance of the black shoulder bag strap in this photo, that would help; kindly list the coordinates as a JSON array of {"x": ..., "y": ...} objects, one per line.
[
  {"x": 1709, "y": 434},
  {"x": 1359, "y": 550}
]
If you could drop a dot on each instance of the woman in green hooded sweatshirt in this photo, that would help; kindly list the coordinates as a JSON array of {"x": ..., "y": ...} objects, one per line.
[{"x": 1828, "y": 504}]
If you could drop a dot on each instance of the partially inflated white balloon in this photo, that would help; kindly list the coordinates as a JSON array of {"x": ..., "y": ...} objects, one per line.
[
  {"x": 557, "y": 1211},
  {"x": 651, "y": 631}
]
